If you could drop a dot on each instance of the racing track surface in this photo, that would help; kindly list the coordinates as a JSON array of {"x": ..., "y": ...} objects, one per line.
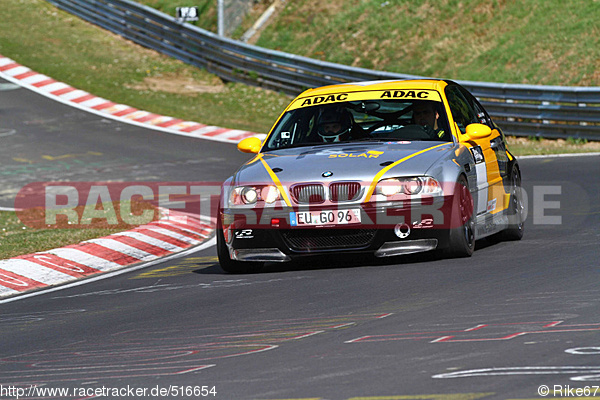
[{"x": 498, "y": 325}]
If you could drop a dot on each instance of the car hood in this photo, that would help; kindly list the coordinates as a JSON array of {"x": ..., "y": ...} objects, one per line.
[{"x": 342, "y": 162}]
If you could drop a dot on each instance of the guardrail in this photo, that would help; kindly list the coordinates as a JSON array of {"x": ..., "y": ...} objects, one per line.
[{"x": 521, "y": 110}]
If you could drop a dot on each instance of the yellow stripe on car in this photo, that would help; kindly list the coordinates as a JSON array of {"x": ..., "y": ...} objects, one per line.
[
  {"x": 255, "y": 159},
  {"x": 277, "y": 182},
  {"x": 386, "y": 169}
]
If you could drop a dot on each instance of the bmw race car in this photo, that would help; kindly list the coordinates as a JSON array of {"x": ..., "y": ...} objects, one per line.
[{"x": 386, "y": 167}]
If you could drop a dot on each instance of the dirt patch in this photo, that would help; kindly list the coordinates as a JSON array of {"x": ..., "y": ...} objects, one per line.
[{"x": 173, "y": 83}]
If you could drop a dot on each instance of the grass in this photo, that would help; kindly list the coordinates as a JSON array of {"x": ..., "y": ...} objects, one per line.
[
  {"x": 26, "y": 231},
  {"x": 550, "y": 42},
  {"x": 498, "y": 41},
  {"x": 17, "y": 239},
  {"x": 538, "y": 146}
]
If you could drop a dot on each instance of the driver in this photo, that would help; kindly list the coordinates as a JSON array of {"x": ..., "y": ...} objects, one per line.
[
  {"x": 426, "y": 115},
  {"x": 334, "y": 124}
]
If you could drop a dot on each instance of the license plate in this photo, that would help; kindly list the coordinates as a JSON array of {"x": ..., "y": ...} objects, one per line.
[{"x": 326, "y": 217}]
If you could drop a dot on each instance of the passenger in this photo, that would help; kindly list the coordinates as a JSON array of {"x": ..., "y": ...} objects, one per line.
[{"x": 426, "y": 115}]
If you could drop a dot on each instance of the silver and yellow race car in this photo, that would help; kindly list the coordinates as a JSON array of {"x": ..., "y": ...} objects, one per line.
[{"x": 386, "y": 167}]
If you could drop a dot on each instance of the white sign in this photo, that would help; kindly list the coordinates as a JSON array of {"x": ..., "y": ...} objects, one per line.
[{"x": 187, "y": 13}]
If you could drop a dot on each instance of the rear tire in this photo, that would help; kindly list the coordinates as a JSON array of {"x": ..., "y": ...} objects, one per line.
[
  {"x": 516, "y": 225},
  {"x": 227, "y": 264},
  {"x": 461, "y": 239}
]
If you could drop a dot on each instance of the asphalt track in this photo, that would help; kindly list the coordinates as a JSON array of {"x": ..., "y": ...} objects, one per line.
[{"x": 499, "y": 325}]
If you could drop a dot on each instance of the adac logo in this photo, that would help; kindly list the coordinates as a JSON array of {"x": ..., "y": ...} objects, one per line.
[{"x": 368, "y": 154}]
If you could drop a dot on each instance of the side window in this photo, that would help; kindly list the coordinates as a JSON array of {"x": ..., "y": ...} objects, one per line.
[
  {"x": 482, "y": 115},
  {"x": 462, "y": 110}
]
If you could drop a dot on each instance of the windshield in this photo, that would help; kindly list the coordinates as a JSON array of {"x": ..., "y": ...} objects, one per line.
[{"x": 381, "y": 119}]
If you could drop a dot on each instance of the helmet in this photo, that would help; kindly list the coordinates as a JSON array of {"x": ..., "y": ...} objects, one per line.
[{"x": 329, "y": 119}]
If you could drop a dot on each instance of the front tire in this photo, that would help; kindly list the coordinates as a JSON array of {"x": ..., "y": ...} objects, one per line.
[
  {"x": 461, "y": 238},
  {"x": 227, "y": 264}
]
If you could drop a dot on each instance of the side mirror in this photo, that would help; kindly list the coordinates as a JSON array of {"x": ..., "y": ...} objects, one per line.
[
  {"x": 249, "y": 145},
  {"x": 477, "y": 131}
]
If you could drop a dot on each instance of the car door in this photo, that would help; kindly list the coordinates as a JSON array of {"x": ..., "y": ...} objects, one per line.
[{"x": 489, "y": 153}]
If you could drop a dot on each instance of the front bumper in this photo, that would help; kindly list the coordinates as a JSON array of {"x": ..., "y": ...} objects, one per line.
[{"x": 386, "y": 230}]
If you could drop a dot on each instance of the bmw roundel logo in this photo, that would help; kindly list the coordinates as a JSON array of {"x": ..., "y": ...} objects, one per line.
[{"x": 327, "y": 174}]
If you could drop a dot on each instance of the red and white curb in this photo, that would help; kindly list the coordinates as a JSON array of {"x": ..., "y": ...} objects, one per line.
[
  {"x": 63, "y": 265},
  {"x": 44, "y": 85}
]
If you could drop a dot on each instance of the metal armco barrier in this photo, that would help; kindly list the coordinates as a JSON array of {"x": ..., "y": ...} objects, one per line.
[{"x": 521, "y": 110}]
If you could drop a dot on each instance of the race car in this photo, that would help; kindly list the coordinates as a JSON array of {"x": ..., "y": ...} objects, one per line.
[{"x": 385, "y": 167}]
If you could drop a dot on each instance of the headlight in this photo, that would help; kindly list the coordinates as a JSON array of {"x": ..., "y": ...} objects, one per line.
[
  {"x": 270, "y": 194},
  {"x": 409, "y": 186},
  {"x": 248, "y": 195},
  {"x": 431, "y": 185},
  {"x": 413, "y": 185},
  {"x": 389, "y": 187}
]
